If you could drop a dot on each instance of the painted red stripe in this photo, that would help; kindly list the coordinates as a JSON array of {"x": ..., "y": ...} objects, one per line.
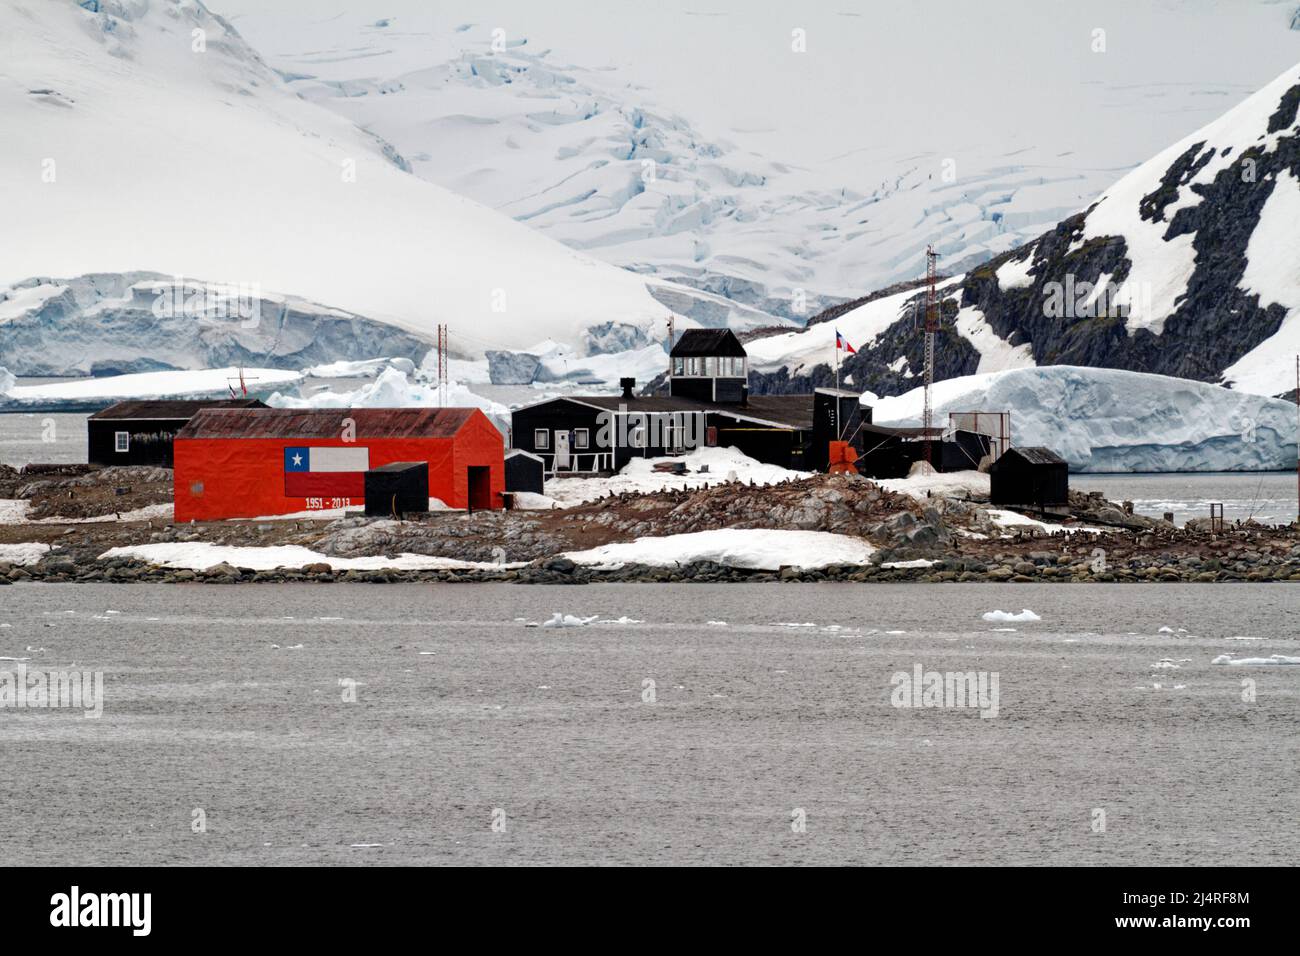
[{"x": 317, "y": 484}]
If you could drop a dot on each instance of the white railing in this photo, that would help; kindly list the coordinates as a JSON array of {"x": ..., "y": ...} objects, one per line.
[{"x": 580, "y": 462}]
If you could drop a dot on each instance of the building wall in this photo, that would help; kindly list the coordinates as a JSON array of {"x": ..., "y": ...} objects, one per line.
[
  {"x": 524, "y": 474},
  {"x": 1013, "y": 481},
  {"x": 151, "y": 441},
  {"x": 244, "y": 478}
]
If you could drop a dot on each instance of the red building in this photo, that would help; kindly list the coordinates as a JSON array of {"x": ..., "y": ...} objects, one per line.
[{"x": 250, "y": 462}]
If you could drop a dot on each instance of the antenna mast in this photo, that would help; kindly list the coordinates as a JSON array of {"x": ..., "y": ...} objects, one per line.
[
  {"x": 931, "y": 327},
  {"x": 442, "y": 365}
]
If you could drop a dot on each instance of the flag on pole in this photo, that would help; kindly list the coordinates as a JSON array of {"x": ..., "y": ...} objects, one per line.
[{"x": 842, "y": 343}]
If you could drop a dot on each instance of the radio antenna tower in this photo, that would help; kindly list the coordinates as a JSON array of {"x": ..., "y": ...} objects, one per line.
[
  {"x": 442, "y": 366},
  {"x": 931, "y": 327}
]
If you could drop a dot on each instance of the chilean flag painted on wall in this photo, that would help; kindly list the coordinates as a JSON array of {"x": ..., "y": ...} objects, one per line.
[{"x": 312, "y": 472}]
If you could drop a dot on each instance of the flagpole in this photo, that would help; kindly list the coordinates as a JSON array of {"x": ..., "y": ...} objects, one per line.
[{"x": 838, "y": 429}]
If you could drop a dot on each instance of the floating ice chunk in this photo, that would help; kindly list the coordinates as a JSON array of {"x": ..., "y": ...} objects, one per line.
[
  {"x": 16, "y": 659},
  {"x": 717, "y": 623},
  {"x": 896, "y": 632},
  {"x": 1009, "y": 617},
  {"x": 569, "y": 620},
  {"x": 620, "y": 620},
  {"x": 1255, "y": 661}
]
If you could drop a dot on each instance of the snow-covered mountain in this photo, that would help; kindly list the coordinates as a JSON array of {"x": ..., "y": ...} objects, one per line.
[
  {"x": 787, "y": 159},
  {"x": 145, "y": 137},
  {"x": 1184, "y": 267}
]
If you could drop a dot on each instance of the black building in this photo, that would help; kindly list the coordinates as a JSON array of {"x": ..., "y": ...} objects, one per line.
[
  {"x": 524, "y": 471},
  {"x": 1034, "y": 477},
  {"x": 398, "y": 488},
  {"x": 141, "y": 432},
  {"x": 708, "y": 365},
  {"x": 708, "y": 404},
  {"x": 602, "y": 433}
]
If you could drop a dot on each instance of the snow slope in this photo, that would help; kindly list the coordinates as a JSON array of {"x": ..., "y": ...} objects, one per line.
[
  {"x": 738, "y": 164},
  {"x": 1106, "y": 420},
  {"x": 127, "y": 148}
]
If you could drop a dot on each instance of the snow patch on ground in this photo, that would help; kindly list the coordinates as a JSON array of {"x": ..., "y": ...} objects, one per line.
[
  {"x": 200, "y": 555},
  {"x": 639, "y": 476},
  {"x": 1013, "y": 519},
  {"x": 14, "y": 511},
  {"x": 752, "y": 548},
  {"x": 948, "y": 484},
  {"x": 28, "y": 552}
]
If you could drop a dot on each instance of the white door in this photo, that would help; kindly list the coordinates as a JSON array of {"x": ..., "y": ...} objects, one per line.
[{"x": 561, "y": 450}]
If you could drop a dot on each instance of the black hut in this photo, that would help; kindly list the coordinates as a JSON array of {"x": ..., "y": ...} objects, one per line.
[
  {"x": 1031, "y": 477},
  {"x": 525, "y": 471}
]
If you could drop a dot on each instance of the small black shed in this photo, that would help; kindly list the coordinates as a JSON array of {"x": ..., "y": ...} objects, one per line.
[
  {"x": 141, "y": 432},
  {"x": 1033, "y": 476},
  {"x": 398, "y": 488},
  {"x": 524, "y": 471}
]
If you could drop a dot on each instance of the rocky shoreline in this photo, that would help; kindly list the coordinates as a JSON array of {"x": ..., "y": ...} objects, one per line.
[
  {"x": 1239, "y": 563},
  {"x": 954, "y": 538}
]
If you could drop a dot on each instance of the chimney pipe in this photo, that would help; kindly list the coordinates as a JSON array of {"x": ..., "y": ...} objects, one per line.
[{"x": 627, "y": 384}]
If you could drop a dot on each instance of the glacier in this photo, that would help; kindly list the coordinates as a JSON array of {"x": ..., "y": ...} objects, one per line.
[
  {"x": 1107, "y": 420},
  {"x": 231, "y": 176}
]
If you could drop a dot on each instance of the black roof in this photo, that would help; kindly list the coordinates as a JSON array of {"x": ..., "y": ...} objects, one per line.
[
  {"x": 170, "y": 409},
  {"x": 708, "y": 342},
  {"x": 1035, "y": 455}
]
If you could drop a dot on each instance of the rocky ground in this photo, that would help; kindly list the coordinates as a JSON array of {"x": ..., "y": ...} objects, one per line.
[{"x": 943, "y": 539}]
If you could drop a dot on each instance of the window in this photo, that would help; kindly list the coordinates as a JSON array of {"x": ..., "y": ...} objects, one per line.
[
  {"x": 541, "y": 438},
  {"x": 121, "y": 441},
  {"x": 678, "y": 365},
  {"x": 581, "y": 437},
  {"x": 709, "y": 365}
]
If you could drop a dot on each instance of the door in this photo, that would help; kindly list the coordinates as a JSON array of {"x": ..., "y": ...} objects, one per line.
[
  {"x": 561, "y": 450},
  {"x": 480, "y": 488}
]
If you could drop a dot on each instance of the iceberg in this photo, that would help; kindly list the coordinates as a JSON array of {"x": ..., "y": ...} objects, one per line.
[{"x": 1107, "y": 420}]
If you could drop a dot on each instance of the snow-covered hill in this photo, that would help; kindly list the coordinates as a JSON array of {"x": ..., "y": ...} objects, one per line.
[
  {"x": 1184, "y": 267},
  {"x": 147, "y": 136},
  {"x": 704, "y": 146}
]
